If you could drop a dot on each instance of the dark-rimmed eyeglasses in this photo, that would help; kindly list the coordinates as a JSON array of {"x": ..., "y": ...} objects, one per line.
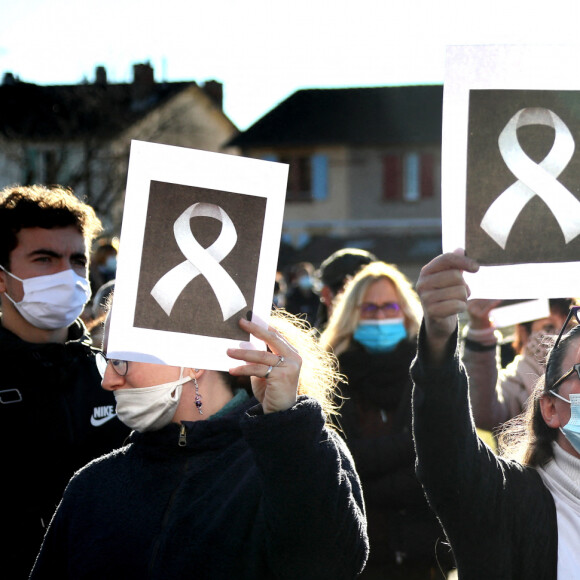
[
  {"x": 121, "y": 367},
  {"x": 573, "y": 312},
  {"x": 372, "y": 308},
  {"x": 566, "y": 376}
]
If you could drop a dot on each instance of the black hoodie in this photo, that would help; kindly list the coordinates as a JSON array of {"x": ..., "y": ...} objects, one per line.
[{"x": 54, "y": 418}]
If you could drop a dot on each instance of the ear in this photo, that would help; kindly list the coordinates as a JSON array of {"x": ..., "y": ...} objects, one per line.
[
  {"x": 194, "y": 373},
  {"x": 549, "y": 411},
  {"x": 326, "y": 295}
]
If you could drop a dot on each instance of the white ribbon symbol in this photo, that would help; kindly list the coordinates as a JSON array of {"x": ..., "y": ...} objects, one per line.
[
  {"x": 205, "y": 261},
  {"x": 534, "y": 179}
]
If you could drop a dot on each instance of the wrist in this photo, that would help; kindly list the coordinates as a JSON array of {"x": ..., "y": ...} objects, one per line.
[{"x": 481, "y": 335}]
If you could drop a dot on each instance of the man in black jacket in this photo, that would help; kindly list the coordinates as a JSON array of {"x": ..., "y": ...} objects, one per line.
[{"x": 54, "y": 417}]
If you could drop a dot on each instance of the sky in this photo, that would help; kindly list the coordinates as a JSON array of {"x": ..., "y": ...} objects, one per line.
[{"x": 265, "y": 50}]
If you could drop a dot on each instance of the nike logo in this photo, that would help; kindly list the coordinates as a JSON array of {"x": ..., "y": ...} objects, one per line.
[{"x": 102, "y": 414}]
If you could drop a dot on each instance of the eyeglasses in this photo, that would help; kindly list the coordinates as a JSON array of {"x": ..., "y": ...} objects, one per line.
[
  {"x": 372, "y": 308},
  {"x": 121, "y": 367},
  {"x": 566, "y": 375},
  {"x": 574, "y": 311}
]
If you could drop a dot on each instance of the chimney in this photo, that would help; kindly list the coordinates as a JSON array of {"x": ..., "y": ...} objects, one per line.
[
  {"x": 215, "y": 91},
  {"x": 8, "y": 79},
  {"x": 101, "y": 76},
  {"x": 143, "y": 82}
]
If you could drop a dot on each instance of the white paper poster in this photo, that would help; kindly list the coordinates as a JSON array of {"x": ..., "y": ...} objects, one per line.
[
  {"x": 198, "y": 251},
  {"x": 511, "y": 168}
]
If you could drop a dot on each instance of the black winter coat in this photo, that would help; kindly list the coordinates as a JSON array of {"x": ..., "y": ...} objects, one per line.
[
  {"x": 246, "y": 496},
  {"x": 376, "y": 420},
  {"x": 498, "y": 514},
  {"x": 54, "y": 418}
]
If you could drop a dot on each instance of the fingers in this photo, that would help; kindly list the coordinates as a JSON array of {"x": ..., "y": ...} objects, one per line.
[
  {"x": 441, "y": 286},
  {"x": 275, "y": 341},
  {"x": 452, "y": 260},
  {"x": 275, "y": 375},
  {"x": 479, "y": 310},
  {"x": 281, "y": 354},
  {"x": 443, "y": 293}
]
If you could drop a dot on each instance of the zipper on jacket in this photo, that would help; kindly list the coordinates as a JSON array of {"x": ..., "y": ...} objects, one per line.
[{"x": 182, "y": 442}]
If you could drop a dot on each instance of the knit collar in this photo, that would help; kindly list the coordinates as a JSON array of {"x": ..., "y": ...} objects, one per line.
[
  {"x": 240, "y": 396},
  {"x": 567, "y": 463},
  {"x": 564, "y": 472}
]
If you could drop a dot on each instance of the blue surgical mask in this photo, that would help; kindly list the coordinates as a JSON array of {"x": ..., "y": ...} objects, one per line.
[
  {"x": 304, "y": 282},
  {"x": 572, "y": 429},
  {"x": 381, "y": 335}
]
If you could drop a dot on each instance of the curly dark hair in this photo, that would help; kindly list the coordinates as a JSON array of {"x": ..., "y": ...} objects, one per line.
[{"x": 37, "y": 206}]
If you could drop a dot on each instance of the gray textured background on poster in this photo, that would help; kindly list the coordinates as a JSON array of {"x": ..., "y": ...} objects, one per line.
[
  {"x": 197, "y": 310},
  {"x": 536, "y": 236}
]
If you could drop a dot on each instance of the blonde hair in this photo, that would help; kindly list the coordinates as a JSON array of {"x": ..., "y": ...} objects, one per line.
[
  {"x": 346, "y": 314},
  {"x": 319, "y": 376}
]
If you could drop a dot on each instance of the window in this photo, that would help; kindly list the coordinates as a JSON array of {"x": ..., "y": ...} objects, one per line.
[
  {"x": 50, "y": 167},
  {"x": 299, "y": 178},
  {"x": 307, "y": 176},
  {"x": 41, "y": 166},
  {"x": 408, "y": 176}
]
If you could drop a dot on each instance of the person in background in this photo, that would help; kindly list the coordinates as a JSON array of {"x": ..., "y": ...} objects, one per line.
[
  {"x": 280, "y": 289},
  {"x": 53, "y": 416},
  {"x": 499, "y": 394},
  {"x": 372, "y": 331},
  {"x": 334, "y": 272},
  {"x": 99, "y": 310},
  {"x": 301, "y": 299},
  {"x": 103, "y": 264},
  {"x": 505, "y": 518},
  {"x": 214, "y": 483}
]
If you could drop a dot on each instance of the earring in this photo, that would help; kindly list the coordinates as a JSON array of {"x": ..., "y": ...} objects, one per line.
[{"x": 198, "y": 402}]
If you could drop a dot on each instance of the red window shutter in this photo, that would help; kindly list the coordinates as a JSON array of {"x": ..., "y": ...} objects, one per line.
[
  {"x": 392, "y": 177},
  {"x": 427, "y": 179}
]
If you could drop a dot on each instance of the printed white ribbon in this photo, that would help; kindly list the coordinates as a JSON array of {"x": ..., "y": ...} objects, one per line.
[
  {"x": 533, "y": 178},
  {"x": 200, "y": 260}
]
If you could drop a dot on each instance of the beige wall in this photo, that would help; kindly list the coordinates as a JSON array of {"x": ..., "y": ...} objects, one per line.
[
  {"x": 366, "y": 183},
  {"x": 354, "y": 203}
]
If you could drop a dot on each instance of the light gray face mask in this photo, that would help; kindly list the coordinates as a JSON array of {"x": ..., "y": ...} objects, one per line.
[
  {"x": 572, "y": 429},
  {"x": 52, "y": 301},
  {"x": 150, "y": 408}
]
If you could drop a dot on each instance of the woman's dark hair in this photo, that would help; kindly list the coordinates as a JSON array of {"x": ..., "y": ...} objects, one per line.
[{"x": 527, "y": 437}]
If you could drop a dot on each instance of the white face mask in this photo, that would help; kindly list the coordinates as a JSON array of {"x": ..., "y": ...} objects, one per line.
[
  {"x": 149, "y": 408},
  {"x": 52, "y": 301}
]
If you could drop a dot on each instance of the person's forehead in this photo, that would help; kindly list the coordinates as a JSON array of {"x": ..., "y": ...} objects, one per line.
[
  {"x": 572, "y": 355},
  {"x": 382, "y": 288},
  {"x": 67, "y": 240}
]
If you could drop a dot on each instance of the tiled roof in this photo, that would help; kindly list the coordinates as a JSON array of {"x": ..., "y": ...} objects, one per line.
[
  {"x": 355, "y": 116},
  {"x": 73, "y": 111}
]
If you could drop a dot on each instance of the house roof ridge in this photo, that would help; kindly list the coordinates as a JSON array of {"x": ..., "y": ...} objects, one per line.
[{"x": 350, "y": 115}]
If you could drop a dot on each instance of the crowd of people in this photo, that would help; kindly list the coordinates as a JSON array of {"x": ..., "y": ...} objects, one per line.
[{"x": 349, "y": 448}]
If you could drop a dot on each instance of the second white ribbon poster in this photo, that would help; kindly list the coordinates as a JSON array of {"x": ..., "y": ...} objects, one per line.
[{"x": 511, "y": 168}]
